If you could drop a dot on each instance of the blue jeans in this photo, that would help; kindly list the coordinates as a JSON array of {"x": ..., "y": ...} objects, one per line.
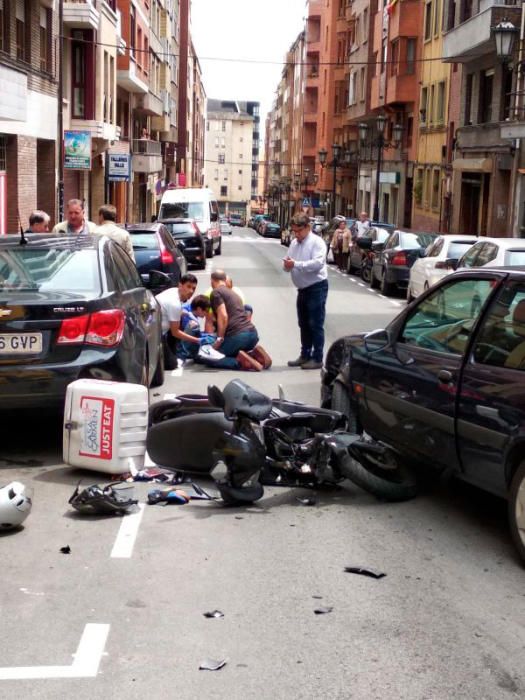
[
  {"x": 175, "y": 349},
  {"x": 231, "y": 346},
  {"x": 311, "y": 311}
]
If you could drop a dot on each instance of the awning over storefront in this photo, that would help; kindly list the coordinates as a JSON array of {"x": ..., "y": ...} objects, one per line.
[{"x": 479, "y": 165}]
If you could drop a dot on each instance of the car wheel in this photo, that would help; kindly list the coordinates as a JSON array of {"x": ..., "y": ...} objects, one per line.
[
  {"x": 516, "y": 509},
  {"x": 219, "y": 248},
  {"x": 209, "y": 250},
  {"x": 341, "y": 402},
  {"x": 202, "y": 264},
  {"x": 158, "y": 377},
  {"x": 365, "y": 273},
  {"x": 374, "y": 282},
  {"x": 387, "y": 288}
]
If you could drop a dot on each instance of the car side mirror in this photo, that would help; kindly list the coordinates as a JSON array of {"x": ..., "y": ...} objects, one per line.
[
  {"x": 364, "y": 243},
  {"x": 377, "y": 246},
  {"x": 158, "y": 281},
  {"x": 377, "y": 340},
  {"x": 180, "y": 245}
]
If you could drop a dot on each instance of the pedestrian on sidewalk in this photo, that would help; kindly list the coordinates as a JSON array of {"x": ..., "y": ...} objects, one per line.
[
  {"x": 306, "y": 262},
  {"x": 341, "y": 245},
  {"x": 75, "y": 221},
  {"x": 38, "y": 222},
  {"x": 107, "y": 216}
]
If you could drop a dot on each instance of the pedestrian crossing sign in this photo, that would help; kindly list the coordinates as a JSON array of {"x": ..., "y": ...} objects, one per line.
[{"x": 306, "y": 202}]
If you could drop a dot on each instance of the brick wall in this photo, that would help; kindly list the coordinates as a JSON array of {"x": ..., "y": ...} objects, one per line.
[
  {"x": 21, "y": 180},
  {"x": 45, "y": 188}
]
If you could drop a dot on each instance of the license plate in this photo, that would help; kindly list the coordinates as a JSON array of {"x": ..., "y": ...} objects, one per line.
[{"x": 20, "y": 343}]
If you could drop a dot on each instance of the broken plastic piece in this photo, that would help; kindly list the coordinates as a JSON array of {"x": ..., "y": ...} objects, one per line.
[
  {"x": 212, "y": 664},
  {"x": 309, "y": 501},
  {"x": 362, "y": 571},
  {"x": 214, "y": 613},
  {"x": 323, "y": 610},
  {"x": 103, "y": 500},
  {"x": 173, "y": 496},
  {"x": 66, "y": 549}
]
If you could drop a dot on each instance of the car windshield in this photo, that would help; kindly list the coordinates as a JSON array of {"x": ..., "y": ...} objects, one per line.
[
  {"x": 458, "y": 248},
  {"x": 49, "y": 269},
  {"x": 515, "y": 257},
  {"x": 181, "y": 230},
  {"x": 144, "y": 240},
  {"x": 183, "y": 210},
  {"x": 416, "y": 240}
]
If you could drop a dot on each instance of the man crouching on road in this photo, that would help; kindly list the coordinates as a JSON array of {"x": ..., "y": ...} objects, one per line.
[
  {"x": 306, "y": 262},
  {"x": 177, "y": 342},
  {"x": 236, "y": 334}
]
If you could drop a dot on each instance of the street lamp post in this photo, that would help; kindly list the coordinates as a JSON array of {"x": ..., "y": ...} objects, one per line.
[
  {"x": 380, "y": 143},
  {"x": 335, "y": 163}
]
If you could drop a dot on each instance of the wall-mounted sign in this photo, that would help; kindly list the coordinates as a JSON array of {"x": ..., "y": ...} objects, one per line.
[
  {"x": 119, "y": 167},
  {"x": 389, "y": 178},
  {"x": 77, "y": 150}
]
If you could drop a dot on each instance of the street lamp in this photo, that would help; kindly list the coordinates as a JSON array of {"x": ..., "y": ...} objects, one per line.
[
  {"x": 504, "y": 35},
  {"x": 335, "y": 163},
  {"x": 380, "y": 143}
]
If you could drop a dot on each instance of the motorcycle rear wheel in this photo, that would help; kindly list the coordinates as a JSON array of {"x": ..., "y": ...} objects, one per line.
[
  {"x": 392, "y": 483},
  {"x": 240, "y": 496}
]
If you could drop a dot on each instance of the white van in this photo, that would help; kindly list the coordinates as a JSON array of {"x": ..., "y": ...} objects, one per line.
[{"x": 198, "y": 204}]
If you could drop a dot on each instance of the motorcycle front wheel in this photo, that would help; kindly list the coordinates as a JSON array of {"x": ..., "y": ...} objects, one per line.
[
  {"x": 385, "y": 479},
  {"x": 240, "y": 495}
]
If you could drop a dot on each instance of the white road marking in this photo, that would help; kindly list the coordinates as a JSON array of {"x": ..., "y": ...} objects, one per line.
[
  {"x": 127, "y": 534},
  {"x": 177, "y": 372},
  {"x": 169, "y": 397},
  {"x": 85, "y": 664}
]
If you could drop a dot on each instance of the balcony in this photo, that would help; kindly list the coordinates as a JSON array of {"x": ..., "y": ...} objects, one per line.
[
  {"x": 485, "y": 137},
  {"x": 81, "y": 14},
  {"x": 129, "y": 80},
  {"x": 407, "y": 21},
  {"x": 149, "y": 104},
  {"x": 472, "y": 38},
  {"x": 98, "y": 129},
  {"x": 400, "y": 89},
  {"x": 147, "y": 156}
]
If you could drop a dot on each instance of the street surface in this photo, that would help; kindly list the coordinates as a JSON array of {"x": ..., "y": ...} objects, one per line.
[{"x": 446, "y": 622}]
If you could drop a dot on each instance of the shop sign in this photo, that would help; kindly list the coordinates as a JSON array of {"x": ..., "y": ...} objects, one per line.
[
  {"x": 389, "y": 178},
  {"x": 119, "y": 167},
  {"x": 77, "y": 150}
]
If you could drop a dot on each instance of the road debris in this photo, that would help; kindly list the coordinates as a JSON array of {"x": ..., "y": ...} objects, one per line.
[
  {"x": 66, "y": 549},
  {"x": 212, "y": 664},
  {"x": 362, "y": 571},
  {"x": 324, "y": 610},
  {"x": 214, "y": 613},
  {"x": 309, "y": 501}
]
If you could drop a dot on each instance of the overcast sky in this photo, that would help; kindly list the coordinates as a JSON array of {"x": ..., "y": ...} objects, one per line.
[{"x": 244, "y": 29}]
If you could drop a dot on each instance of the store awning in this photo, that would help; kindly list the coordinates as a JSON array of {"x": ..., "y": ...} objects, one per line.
[{"x": 478, "y": 165}]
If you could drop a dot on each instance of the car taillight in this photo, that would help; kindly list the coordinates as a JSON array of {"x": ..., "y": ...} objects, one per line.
[
  {"x": 106, "y": 327},
  {"x": 73, "y": 330},
  {"x": 165, "y": 256},
  {"x": 399, "y": 259},
  {"x": 101, "y": 328}
]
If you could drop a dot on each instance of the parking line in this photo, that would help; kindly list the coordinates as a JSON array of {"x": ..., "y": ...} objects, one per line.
[
  {"x": 85, "y": 664},
  {"x": 127, "y": 534}
]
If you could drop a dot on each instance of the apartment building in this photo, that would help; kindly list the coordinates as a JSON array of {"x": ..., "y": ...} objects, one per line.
[
  {"x": 229, "y": 149},
  {"x": 28, "y": 111}
]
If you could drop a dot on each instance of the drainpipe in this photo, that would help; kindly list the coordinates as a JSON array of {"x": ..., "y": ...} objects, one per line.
[
  {"x": 60, "y": 121},
  {"x": 514, "y": 206}
]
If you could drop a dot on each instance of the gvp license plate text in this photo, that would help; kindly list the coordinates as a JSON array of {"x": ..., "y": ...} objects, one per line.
[{"x": 20, "y": 343}]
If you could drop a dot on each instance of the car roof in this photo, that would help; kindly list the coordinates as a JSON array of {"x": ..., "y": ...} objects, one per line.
[
  {"x": 504, "y": 242},
  {"x": 41, "y": 240},
  {"x": 176, "y": 220},
  {"x": 152, "y": 226}
]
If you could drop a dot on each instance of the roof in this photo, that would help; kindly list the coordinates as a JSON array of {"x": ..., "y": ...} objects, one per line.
[
  {"x": 146, "y": 226},
  {"x": 43, "y": 240}
]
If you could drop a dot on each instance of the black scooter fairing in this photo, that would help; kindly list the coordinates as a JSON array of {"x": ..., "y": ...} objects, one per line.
[{"x": 187, "y": 443}]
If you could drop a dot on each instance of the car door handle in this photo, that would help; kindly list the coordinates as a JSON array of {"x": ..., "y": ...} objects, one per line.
[{"x": 445, "y": 377}]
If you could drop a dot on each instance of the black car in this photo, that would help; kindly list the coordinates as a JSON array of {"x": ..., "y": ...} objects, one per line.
[
  {"x": 444, "y": 383},
  {"x": 361, "y": 254},
  {"x": 393, "y": 259},
  {"x": 73, "y": 307},
  {"x": 269, "y": 229},
  {"x": 236, "y": 220},
  {"x": 187, "y": 233},
  {"x": 155, "y": 249}
]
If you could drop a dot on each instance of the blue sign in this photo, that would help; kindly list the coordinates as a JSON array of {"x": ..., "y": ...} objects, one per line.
[
  {"x": 306, "y": 202},
  {"x": 119, "y": 167}
]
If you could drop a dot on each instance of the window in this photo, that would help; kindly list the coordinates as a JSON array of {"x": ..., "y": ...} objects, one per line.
[
  {"x": 224, "y": 190},
  {"x": 240, "y": 172},
  {"x": 430, "y": 106},
  {"x": 411, "y": 56},
  {"x": 435, "y": 189},
  {"x": 223, "y": 143},
  {"x": 469, "y": 85},
  {"x": 22, "y": 10},
  {"x": 207, "y": 126},
  {"x": 352, "y": 89},
  {"x": 423, "y": 106},
  {"x": 239, "y": 187},
  {"x": 436, "y": 18},
  {"x": 384, "y": 47},
  {"x": 470, "y": 257},
  {"x": 501, "y": 339},
  {"x": 132, "y": 31},
  {"x": 428, "y": 20},
  {"x": 444, "y": 320},
  {"x": 223, "y": 126},
  {"x": 240, "y": 156},
  {"x": 81, "y": 82},
  {"x": 440, "y": 105},
  {"x": 449, "y": 14},
  {"x": 436, "y": 248},
  {"x": 365, "y": 24},
  {"x": 506, "y": 85},
  {"x": 217, "y": 142},
  {"x": 221, "y": 159},
  {"x": 485, "y": 96},
  {"x": 127, "y": 278},
  {"x": 45, "y": 40},
  {"x": 426, "y": 190},
  {"x": 488, "y": 253},
  {"x": 362, "y": 85},
  {"x": 394, "y": 57},
  {"x": 216, "y": 174},
  {"x": 4, "y": 22}
]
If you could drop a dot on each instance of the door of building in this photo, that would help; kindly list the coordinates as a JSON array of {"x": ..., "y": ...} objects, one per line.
[{"x": 469, "y": 212}]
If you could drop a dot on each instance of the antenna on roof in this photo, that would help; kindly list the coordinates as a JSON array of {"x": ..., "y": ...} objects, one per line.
[{"x": 23, "y": 239}]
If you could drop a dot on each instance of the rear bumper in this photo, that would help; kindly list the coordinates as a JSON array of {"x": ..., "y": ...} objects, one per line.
[
  {"x": 398, "y": 275},
  {"x": 195, "y": 255}
]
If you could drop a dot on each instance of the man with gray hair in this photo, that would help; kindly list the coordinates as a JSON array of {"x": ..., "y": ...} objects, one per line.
[
  {"x": 306, "y": 262},
  {"x": 76, "y": 221},
  {"x": 107, "y": 216},
  {"x": 38, "y": 222}
]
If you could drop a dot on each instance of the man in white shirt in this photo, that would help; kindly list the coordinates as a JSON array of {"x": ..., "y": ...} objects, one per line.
[
  {"x": 362, "y": 224},
  {"x": 306, "y": 262},
  {"x": 107, "y": 215},
  {"x": 75, "y": 221},
  {"x": 177, "y": 342}
]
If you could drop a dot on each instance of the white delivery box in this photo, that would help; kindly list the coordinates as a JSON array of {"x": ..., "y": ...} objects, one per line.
[{"x": 105, "y": 425}]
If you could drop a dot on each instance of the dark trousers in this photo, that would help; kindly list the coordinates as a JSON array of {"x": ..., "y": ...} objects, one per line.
[
  {"x": 311, "y": 311},
  {"x": 230, "y": 347}
]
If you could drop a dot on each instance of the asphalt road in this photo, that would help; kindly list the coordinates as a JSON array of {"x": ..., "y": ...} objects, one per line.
[{"x": 446, "y": 622}]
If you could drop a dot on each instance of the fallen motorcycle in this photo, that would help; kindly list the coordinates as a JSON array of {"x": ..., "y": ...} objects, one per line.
[{"x": 268, "y": 441}]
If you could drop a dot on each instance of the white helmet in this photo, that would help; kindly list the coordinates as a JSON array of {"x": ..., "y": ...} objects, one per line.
[{"x": 15, "y": 505}]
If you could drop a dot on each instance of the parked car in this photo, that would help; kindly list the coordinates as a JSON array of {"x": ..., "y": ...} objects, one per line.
[
  {"x": 187, "y": 234},
  {"x": 270, "y": 229},
  {"x": 444, "y": 383},
  {"x": 155, "y": 249},
  {"x": 226, "y": 227},
  {"x": 394, "y": 258},
  {"x": 258, "y": 217},
  {"x": 74, "y": 307},
  {"x": 494, "y": 251},
  {"x": 361, "y": 254},
  {"x": 440, "y": 259},
  {"x": 195, "y": 203},
  {"x": 237, "y": 220}
]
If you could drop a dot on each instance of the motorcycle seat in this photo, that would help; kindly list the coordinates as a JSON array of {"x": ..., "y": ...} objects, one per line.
[{"x": 240, "y": 399}]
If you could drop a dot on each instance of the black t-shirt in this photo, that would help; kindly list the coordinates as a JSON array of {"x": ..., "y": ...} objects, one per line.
[{"x": 237, "y": 318}]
